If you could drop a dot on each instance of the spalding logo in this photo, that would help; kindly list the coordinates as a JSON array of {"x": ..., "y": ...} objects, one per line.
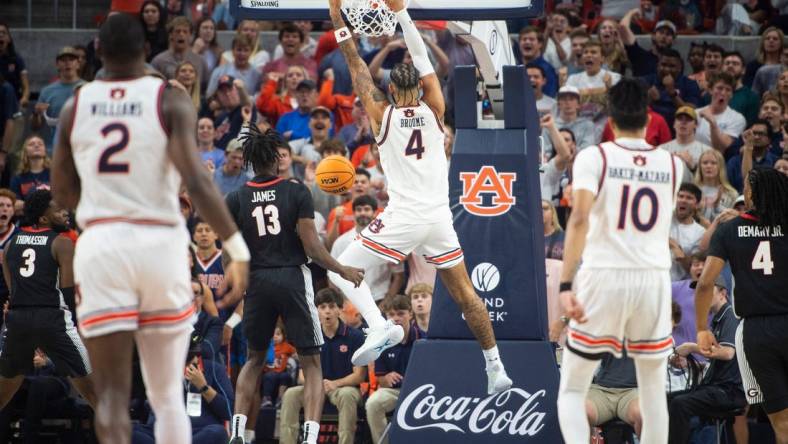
[
  {"x": 485, "y": 277},
  {"x": 487, "y": 181}
]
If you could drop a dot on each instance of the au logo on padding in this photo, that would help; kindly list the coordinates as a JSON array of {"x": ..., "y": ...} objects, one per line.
[{"x": 488, "y": 181}]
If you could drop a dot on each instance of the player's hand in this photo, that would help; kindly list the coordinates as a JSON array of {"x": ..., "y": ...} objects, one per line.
[
  {"x": 395, "y": 5},
  {"x": 227, "y": 334},
  {"x": 351, "y": 274},
  {"x": 246, "y": 113},
  {"x": 726, "y": 215},
  {"x": 195, "y": 376},
  {"x": 547, "y": 121},
  {"x": 236, "y": 279},
  {"x": 572, "y": 307},
  {"x": 329, "y": 386},
  {"x": 706, "y": 342},
  {"x": 198, "y": 45}
]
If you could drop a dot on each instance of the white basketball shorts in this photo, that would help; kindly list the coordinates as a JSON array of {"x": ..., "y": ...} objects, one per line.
[
  {"x": 394, "y": 240},
  {"x": 132, "y": 277},
  {"x": 626, "y": 308}
]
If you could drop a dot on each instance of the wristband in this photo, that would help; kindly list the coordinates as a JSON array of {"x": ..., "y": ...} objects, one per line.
[
  {"x": 342, "y": 34},
  {"x": 236, "y": 247},
  {"x": 564, "y": 286},
  {"x": 233, "y": 320}
]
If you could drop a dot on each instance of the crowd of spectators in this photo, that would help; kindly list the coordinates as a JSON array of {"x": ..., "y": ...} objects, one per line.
[{"x": 721, "y": 112}]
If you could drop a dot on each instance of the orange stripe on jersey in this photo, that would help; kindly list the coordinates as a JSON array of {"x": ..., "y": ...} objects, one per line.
[
  {"x": 445, "y": 257},
  {"x": 382, "y": 250},
  {"x": 651, "y": 346},
  {"x": 171, "y": 319},
  {"x": 264, "y": 184},
  {"x": 128, "y": 220},
  {"x": 109, "y": 317},
  {"x": 590, "y": 342}
]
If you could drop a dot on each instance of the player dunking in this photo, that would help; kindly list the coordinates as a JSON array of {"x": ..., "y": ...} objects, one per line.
[
  {"x": 418, "y": 218},
  {"x": 756, "y": 244},
  {"x": 124, "y": 145},
  {"x": 276, "y": 217},
  {"x": 37, "y": 264},
  {"x": 622, "y": 200}
]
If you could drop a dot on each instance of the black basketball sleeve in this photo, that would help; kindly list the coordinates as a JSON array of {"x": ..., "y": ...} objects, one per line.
[
  {"x": 233, "y": 201},
  {"x": 306, "y": 207},
  {"x": 717, "y": 244}
]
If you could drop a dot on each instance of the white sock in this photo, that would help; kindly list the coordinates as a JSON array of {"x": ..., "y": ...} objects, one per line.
[
  {"x": 653, "y": 401},
  {"x": 238, "y": 425},
  {"x": 576, "y": 375},
  {"x": 311, "y": 430},
  {"x": 249, "y": 436},
  {"x": 356, "y": 256},
  {"x": 491, "y": 357}
]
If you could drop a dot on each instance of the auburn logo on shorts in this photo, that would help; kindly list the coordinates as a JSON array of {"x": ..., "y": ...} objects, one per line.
[{"x": 488, "y": 181}]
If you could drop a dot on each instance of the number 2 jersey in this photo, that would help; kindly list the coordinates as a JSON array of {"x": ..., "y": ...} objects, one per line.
[
  {"x": 410, "y": 142},
  {"x": 266, "y": 210},
  {"x": 119, "y": 145},
  {"x": 759, "y": 261},
  {"x": 635, "y": 187}
]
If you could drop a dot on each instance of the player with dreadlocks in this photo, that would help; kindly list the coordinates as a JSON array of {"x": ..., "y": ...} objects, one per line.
[
  {"x": 756, "y": 245},
  {"x": 418, "y": 218},
  {"x": 276, "y": 217}
]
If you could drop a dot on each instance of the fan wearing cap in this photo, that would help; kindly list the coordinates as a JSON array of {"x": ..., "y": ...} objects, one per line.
[
  {"x": 235, "y": 110},
  {"x": 644, "y": 62},
  {"x": 295, "y": 124},
  {"x": 239, "y": 68},
  {"x": 55, "y": 95},
  {"x": 685, "y": 146},
  {"x": 568, "y": 118},
  {"x": 307, "y": 150}
]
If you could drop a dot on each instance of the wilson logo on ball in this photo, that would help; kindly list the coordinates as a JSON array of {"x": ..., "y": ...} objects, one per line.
[{"x": 487, "y": 182}]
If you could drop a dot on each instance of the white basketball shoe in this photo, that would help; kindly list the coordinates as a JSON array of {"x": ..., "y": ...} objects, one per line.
[
  {"x": 378, "y": 339},
  {"x": 497, "y": 379}
]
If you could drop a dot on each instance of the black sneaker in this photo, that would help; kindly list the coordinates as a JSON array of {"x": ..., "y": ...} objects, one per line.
[{"x": 237, "y": 440}]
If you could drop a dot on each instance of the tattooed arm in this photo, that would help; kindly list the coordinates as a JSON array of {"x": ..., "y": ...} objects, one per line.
[{"x": 374, "y": 100}]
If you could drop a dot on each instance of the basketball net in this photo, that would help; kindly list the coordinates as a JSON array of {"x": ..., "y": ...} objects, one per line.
[{"x": 371, "y": 18}]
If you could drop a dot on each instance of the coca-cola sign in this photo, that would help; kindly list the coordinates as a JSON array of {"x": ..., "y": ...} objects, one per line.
[{"x": 514, "y": 412}]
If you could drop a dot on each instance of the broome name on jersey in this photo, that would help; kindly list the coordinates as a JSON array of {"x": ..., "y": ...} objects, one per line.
[
  {"x": 412, "y": 122},
  {"x": 116, "y": 109},
  {"x": 756, "y": 231}
]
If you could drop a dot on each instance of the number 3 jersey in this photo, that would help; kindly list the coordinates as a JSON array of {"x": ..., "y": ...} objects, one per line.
[
  {"x": 758, "y": 255},
  {"x": 34, "y": 271},
  {"x": 267, "y": 209},
  {"x": 635, "y": 187},
  {"x": 412, "y": 156},
  {"x": 119, "y": 145}
]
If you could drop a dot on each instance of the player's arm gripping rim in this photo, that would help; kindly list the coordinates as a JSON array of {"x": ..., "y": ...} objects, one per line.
[
  {"x": 703, "y": 296},
  {"x": 371, "y": 97},
  {"x": 574, "y": 244}
]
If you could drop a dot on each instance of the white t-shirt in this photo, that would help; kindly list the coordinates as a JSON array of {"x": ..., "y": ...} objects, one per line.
[
  {"x": 550, "y": 178},
  {"x": 378, "y": 277},
  {"x": 694, "y": 148},
  {"x": 551, "y": 53},
  {"x": 730, "y": 122},
  {"x": 688, "y": 237},
  {"x": 546, "y": 105},
  {"x": 258, "y": 60},
  {"x": 582, "y": 80}
]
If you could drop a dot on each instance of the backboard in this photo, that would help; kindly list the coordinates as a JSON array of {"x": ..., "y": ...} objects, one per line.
[{"x": 419, "y": 9}]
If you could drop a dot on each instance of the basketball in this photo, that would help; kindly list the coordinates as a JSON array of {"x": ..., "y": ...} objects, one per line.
[{"x": 335, "y": 174}]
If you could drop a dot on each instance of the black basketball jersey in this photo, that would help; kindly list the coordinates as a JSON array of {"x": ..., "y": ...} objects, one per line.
[
  {"x": 267, "y": 209},
  {"x": 34, "y": 270},
  {"x": 759, "y": 261}
]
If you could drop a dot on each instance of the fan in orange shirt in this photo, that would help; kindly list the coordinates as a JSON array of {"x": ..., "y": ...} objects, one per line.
[
  {"x": 339, "y": 104},
  {"x": 273, "y": 106},
  {"x": 340, "y": 219},
  {"x": 276, "y": 378}
]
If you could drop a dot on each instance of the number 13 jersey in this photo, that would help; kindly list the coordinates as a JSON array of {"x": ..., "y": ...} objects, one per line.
[
  {"x": 412, "y": 156},
  {"x": 119, "y": 145},
  {"x": 635, "y": 187}
]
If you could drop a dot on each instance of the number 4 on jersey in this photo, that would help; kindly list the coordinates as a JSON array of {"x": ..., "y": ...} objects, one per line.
[
  {"x": 415, "y": 146},
  {"x": 763, "y": 258}
]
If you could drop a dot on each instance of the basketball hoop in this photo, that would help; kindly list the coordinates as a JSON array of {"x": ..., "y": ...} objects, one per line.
[{"x": 371, "y": 18}]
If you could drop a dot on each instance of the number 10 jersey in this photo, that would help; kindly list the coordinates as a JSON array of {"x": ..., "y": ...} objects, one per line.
[
  {"x": 119, "y": 145},
  {"x": 635, "y": 187}
]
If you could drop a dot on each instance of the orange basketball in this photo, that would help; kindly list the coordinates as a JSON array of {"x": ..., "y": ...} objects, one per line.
[{"x": 335, "y": 174}]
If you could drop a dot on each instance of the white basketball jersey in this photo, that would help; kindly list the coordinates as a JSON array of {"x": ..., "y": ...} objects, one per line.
[
  {"x": 414, "y": 162},
  {"x": 119, "y": 145},
  {"x": 635, "y": 186}
]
